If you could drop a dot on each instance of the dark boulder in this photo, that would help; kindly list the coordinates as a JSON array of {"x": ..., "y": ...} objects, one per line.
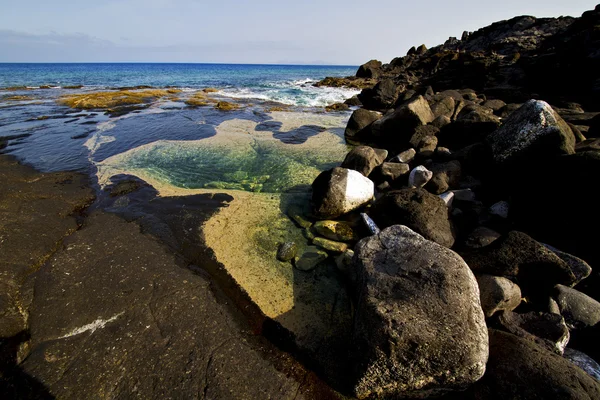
[
  {"x": 546, "y": 329},
  {"x": 370, "y": 69},
  {"x": 364, "y": 159},
  {"x": 497, "y": 293},
  {"x": 532, "y": 134},
  {"x": 445, "y": 176},
  {"x": 418, "y": 209},
  {"x": 520, "y": 369},
  {"x": 519, "y": 256},
  {"x": 473, "y": 124},
  {"x": 359, "y": 120},
  {"x": 419, "y": 328},
  {"x": 421, "y": 132},
  {"x": 381, "y": 97}
]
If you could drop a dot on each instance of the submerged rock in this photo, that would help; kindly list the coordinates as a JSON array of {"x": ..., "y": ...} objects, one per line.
[
  {"x": 419, "y": 327},
  {"x": 331, "y": 245},
  {"x": 335, "y": 230},
  {"x": 340, "y": 190},
  {"x": 287, "y": 251},
  {"x": 310, "y": 259}
]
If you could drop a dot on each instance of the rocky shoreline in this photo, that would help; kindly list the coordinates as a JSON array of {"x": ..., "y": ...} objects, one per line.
[{"x": 463, "y": 219}]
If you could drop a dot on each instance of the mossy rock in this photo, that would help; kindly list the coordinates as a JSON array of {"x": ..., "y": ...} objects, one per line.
[
  {"x": 112, "y": 99},
  {"x": 226, "y": 106}
]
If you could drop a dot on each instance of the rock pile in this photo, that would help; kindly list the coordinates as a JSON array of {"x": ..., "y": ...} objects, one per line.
[{"x": 473, "y": 213}]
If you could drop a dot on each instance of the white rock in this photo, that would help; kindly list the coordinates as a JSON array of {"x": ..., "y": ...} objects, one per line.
[
  {"x": 448, "y": 198},
  {"x": 419, "y": 177},
  {"x": 405, "y": 157}
]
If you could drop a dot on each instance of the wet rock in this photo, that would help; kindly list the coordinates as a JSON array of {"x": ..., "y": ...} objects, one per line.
[
  {"x": 340, "y": 190},
  {"x": 584, "y": 362},
  {"x": 546, "y": 329},
  {"x": 520, "y": 369},
  {"x": 337, "y": 107},
  {"x": 481, "y": 237},
  {"x": 335, "y": 230},
  {"x": 578, "y": 267},
  {"x": 519, "y": 256},
  {"x": 579, "y": 309},
  {"x": 287, "y": 251},
  {"x": 364, "y": 159},
  {"x": 310, "y": 259},
  {"x": 404, "y": 157},
  {"x": 353, "y": 101},
  {"x": 330, "y": 245},
  {"x": 424, "y": 299},
  {"x": 419, "y": 177},
  {"x": 444, "y": 176},
  {"x": 296, "y": 216},
  {"x": 533, "y": 131},
  {"x": 418, "y": 209},
  {"x": 370, "y": 224},
  {"x": 359, "y": 120},
  {"x": 497, "y": 294}
]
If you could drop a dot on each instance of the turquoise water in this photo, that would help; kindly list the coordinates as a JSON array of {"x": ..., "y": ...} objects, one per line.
[{"x": 41, "y": 132}]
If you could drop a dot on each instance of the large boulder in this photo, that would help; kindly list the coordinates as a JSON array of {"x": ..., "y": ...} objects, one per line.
[
  {"x": 419, "y": 327},
  {"x": 519, "y": 256},
  {"x": 370, "y": 69},
  {"x": 340, "y": 190},
  {"x": 520, "y": 369},
  {"x": 418, "y": 209},
  {"x": 473, "y": 124},
  {"x": 383, "y": 96},
  {"x": 359, "y": 120},
  {"x": 364, "y": 159},
  {"x": 534, "y": 132},
  {"x": 579, "y": 310}
]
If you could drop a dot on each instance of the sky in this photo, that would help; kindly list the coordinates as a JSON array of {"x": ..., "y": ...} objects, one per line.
[{"x": 337, "y": 32}]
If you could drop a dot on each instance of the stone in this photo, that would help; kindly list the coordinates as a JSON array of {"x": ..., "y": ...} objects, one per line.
[
  {"x": 331, "y": 245},
  {"x": 473, "y": 123},
  {"x": 445, "y": 176},
  {"x": 464, "y": 195},
  {"x": 500, "y": 209},
  {"x": 448, "y": 198},
  {"x": 363, "y": 159},
  {"x": 579, "y": 309},
  {"x": 495, "y": 104},
  {"x": 310, "y": 259},
  {"x": 441, "y": 121},
  {"x": 370, "y": 224},
  {"x": 427, "y": 146},
  {"x": 578, "y": 267},
  {"x": 443, "y": 152},
  {"x": 297, "y": 217},
  {"x": 519, "y": 256},
  {"x": 405, "y": 157},
  {"x": 381, "y": 97},
  {"x": 419, "y": 177},
  {"x": 343, "y": 262},
  {"x": 359, "y": 120},
  {"x": 418, "y": 110},
  {"x": 546, "y": 329},
  {"x": 339, "y": 190},
  {"x": 443, "y": 106},
  {"x": 353, "y": 101},
  {"x": 337, "y": 107},
  {"x": 391, "y": 171},
  {"x": 421, "y": 132},
  {"x": 383, "y": 187},
  {"x": 497, "y": 294},
  {"x": 535, "y": 132},
  {"x": 370, "y": 69},
  {"x": 583, "y": 361},
  {"x": 419, "y": 328},
  {"x": 335, "y": 230},
  {"x": 418, "y": 209},
  {"x": 307, "y": 233},
  {"x": 287, "y": 251},
  {"x": 481, "y": 237},
  {"x": 520, "y": 369}
]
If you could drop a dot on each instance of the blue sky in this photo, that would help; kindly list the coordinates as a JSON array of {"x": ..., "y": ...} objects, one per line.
[{"x": 346, "y": 32}]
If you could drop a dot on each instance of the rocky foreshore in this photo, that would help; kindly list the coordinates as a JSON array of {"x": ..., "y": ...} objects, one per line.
[{"x": 463, "y": 220}]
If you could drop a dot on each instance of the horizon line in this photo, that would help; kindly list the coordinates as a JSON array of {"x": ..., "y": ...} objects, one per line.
[{"x": 178, "y": 62}]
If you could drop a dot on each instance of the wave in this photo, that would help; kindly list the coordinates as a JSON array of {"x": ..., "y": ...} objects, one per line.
[{"x": 294, "y": 93}]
